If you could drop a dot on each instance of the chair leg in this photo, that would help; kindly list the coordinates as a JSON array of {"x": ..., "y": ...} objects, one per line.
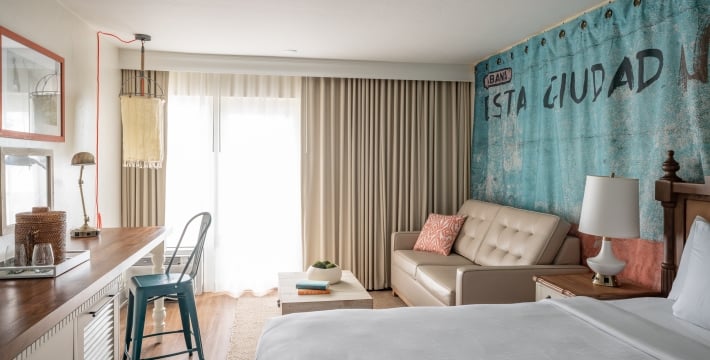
[
  {"x": 141, "y": 305},
  {"x": 129, "y": 325},
  {"x": 185, "y": 317},
  {"x": 190, "y": 299}
]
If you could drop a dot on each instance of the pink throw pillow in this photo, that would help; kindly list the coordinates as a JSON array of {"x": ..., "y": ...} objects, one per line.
[{"x": 439, "y": 233}]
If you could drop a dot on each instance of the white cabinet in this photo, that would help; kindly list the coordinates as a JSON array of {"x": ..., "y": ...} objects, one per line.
[
  {"x": 97, "y": 331},
  {"x": 90, "y": 332},
  {"x": 57, "y": 343}
]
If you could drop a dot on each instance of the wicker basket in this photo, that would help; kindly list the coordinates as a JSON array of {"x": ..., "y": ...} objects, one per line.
[{"x": 42, "y": 225}]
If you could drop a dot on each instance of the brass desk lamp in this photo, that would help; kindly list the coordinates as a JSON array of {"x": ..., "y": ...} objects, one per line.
[{"x": 83, "y": 158}]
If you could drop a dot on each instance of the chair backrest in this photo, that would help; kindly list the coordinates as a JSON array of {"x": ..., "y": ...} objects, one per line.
[{"x": 193, "y": 262}]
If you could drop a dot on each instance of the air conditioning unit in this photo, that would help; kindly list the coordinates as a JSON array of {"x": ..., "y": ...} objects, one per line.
[{"x": 145, "y": 266}]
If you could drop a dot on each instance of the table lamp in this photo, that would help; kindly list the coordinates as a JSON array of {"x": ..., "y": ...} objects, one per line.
[
  {"x": 81, "y": 159},
  {"x": 610, "y": 209}
]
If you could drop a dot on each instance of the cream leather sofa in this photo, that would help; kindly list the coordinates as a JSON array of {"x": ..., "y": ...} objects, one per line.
[{"x": 493, "y": 259}]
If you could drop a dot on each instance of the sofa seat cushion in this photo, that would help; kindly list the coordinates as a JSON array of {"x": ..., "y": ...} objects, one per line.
[
  {"x": 410, "y": 260},
  {"x": 440, "y": 281},
  {"x": 522, "y": 237}
]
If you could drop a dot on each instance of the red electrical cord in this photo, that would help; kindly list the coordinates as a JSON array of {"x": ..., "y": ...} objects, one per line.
[{"x": 98, "y": 87}]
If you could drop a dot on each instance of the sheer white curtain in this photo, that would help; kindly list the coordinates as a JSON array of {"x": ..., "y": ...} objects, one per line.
[{"x": 233, "y": 149}]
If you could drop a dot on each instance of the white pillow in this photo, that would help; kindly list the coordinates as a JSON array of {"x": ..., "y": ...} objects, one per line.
[
  {"x": 681, "y": 275},
  {"x": 693, "y": 302}
]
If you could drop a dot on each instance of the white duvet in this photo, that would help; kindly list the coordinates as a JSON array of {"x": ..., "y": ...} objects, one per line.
[{"x": 577, "y": 328}]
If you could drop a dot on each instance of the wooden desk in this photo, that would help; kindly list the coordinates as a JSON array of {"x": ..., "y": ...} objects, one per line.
[{"x": 31, "y": 308}]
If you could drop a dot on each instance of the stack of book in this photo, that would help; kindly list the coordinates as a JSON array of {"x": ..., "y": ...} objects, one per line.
[{"x": 312, "y": 287}]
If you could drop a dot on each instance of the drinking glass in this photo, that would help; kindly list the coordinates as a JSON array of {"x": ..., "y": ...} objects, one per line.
[
  {"x": 18, "y": 260},
  {"x": 20, "y": 255},
  {"x": 42, "y": 255},
  {"x": 15, "y": 255},
  {"x": 9, "y": 260}
]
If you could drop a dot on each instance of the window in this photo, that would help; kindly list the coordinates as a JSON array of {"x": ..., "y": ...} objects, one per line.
[{"x": 236, "y": 153}]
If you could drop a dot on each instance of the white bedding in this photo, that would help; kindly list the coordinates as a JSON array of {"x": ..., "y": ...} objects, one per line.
[{"x": 576, "y": 328}]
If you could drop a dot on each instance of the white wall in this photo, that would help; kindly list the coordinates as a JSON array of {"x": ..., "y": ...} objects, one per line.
[{"x": 51, "y": 26}]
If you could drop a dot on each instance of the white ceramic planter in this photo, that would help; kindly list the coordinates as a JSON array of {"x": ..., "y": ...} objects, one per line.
[{"x": 331, "y": 275}]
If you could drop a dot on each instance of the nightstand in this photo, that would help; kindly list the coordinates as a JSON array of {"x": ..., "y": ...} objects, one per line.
[{"x": 568, "y": 285}]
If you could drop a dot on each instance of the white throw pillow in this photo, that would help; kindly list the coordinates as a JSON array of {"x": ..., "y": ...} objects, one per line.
[
  {"x": 681, "y": 275},
  {"x": 693, "y": 302}
]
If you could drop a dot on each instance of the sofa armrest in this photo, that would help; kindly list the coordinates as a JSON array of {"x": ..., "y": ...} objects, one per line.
[
  {"x": 503, "y": 284},
  {"x": 570, "y": 252},
  {"x": 404, "y": 240}
]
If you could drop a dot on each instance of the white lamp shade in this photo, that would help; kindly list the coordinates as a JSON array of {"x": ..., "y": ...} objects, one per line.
[{"x": 610, "y": 207}]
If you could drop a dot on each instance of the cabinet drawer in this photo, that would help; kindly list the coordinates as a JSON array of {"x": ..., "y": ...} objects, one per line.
[
  {"x": 544, "y": 292},
  {"x": 97, "y": 330}
]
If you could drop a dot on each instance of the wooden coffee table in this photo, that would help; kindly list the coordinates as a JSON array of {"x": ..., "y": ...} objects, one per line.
[{"x": 347, "y": 294}]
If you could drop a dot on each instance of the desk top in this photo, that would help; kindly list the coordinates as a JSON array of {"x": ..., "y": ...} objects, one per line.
[{"x": 30, "y": 307}]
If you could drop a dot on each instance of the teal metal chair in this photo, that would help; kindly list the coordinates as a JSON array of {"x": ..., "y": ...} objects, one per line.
[{"x": 145, "y": 288}]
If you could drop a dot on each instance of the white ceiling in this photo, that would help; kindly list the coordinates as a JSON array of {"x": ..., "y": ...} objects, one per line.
[{"x": 414, "y": 31}]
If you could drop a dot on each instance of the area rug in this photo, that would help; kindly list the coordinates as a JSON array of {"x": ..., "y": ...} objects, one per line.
[{"x": 252, "y": 311}]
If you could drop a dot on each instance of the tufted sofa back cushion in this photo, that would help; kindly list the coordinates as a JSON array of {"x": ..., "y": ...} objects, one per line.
[
  {"x": 522, "y": 237},
  {"x": 479, "y": 216}
]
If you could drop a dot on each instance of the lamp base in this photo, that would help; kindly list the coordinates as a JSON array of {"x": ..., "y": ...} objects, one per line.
[
  {"x": 605, "y": 280},
  {"x": 605, "y": 265},
  {"x": 84, "y": 231}
]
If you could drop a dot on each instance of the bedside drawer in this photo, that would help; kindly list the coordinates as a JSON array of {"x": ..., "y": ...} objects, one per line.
[{"x": 544, "y": 292}]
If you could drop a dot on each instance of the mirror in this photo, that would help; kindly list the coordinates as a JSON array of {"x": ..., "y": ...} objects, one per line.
[
  {"x": 26, "y": 179},
  {"x": 32, "y": 90}
]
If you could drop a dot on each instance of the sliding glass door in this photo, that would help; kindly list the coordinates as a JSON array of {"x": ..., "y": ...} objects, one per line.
[
  {"x": 234, "y": 150},
  {"x": 258, "y": 186}
]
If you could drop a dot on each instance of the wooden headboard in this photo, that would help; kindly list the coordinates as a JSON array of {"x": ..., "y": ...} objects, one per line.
[{"x": 681, "y": 203}]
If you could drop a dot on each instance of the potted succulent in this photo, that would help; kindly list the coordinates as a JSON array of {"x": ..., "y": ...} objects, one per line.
[{"x": 324, "y": 270}]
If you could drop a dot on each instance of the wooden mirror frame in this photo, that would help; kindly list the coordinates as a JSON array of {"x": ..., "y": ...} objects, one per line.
[{"x": 38, "y": 79}]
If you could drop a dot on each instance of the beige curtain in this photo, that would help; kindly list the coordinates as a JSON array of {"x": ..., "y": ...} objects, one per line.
[
  {"x": 143, "y": 189},
  {"x": 379, "y": 156}
]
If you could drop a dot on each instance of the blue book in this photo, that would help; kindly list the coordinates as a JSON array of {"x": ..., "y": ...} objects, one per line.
[{"x": 312, "y": 284}]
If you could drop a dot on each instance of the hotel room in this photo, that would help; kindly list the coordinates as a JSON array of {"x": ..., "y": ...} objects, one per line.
[{"x": 459, "y": 159}]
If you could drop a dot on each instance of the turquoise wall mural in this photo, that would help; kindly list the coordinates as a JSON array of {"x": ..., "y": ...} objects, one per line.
[{"x": 610, "y": 91}]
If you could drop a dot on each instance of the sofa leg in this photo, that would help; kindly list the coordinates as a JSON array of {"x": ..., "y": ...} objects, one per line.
[{"x": 404, "y": 300}]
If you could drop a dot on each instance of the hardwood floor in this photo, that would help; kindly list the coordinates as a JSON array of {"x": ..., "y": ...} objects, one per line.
[{"x": 215, "y": 312}]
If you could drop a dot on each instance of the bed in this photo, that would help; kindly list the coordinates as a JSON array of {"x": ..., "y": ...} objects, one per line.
[{"x": 676, "y": 326}]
